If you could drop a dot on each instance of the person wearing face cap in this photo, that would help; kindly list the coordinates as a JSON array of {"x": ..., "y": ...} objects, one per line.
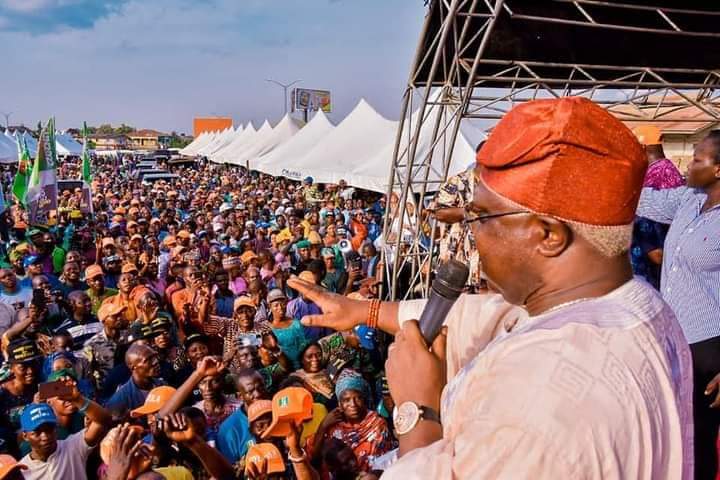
[{"x": 569, "y": 331}]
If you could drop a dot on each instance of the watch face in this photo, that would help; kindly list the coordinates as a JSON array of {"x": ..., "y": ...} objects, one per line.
[{"x": 405, "y": 417}]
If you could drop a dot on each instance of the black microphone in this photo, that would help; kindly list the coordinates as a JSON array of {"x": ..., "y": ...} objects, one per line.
[{"x": 447, "y": 286}]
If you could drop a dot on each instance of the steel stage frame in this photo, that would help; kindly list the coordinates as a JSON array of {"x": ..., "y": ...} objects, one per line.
[{"x": 644, "y": 60}]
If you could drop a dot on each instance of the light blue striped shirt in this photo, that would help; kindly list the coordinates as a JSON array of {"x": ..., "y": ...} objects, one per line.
[{"x": 690, "y": 281}]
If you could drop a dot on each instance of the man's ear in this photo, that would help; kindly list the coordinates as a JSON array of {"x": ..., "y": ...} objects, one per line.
[{"x": 553, "y": 236}]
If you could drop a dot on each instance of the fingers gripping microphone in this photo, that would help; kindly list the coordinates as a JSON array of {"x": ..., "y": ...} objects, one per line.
[{"x": 447, "y": 286}]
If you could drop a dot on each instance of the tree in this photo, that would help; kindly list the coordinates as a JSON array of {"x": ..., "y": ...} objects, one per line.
[
  {"x": 179, "y": 142},
  {"x": 105, "y": 129},
  {"x": 124, "y": 129}
]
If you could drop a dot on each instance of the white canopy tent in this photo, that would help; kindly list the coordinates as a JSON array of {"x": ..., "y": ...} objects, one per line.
[
  {"x": 67, "y": 146},
  {"x": 375, "y": 173},
  {"x": 241, "y": 137},
  {"x": 232, "y": 152},
  {"x": 201, "y": 140},
  {"x": 356, "y": 141},
  {"x": 360, "y": 151},
  {"x": 8, "y": 149},
  {"x": 221, "y": 141},
  {"x": 282, "y": 132},
  {"x": 32, "y": 144},
  {"x": 283, "y": 157}
]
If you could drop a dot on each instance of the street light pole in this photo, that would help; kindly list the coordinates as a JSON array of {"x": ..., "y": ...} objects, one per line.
[
  {"x": 7, "y": 118},
  {"x": 285, "y": 89}
]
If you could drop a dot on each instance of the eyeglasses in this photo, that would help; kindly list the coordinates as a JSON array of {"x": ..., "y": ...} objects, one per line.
[{"x": 483, "y": 218}]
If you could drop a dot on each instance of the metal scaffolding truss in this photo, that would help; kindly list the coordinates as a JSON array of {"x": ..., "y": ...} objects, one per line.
[{"x": 644, "y": 60}]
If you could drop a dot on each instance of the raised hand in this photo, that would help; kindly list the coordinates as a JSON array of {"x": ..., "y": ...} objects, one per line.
[
  {"x": 178, "y": 428},
  {"x": 339, "y": 312},
  {"x": 209, "y": 367}
]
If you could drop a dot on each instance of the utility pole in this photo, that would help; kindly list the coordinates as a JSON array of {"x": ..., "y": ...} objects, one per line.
[
  {"x": 7, "y": 118},
  {"x": 285, "y": 89}
]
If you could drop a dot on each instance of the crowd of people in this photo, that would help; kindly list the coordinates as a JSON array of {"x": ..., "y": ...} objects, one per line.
[
  {"x": 163, "y": 329},
  {"x": 227, "y": 324}
]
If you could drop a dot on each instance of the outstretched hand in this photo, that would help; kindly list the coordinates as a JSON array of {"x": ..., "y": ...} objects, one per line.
[{"x": 339, "y": 312}]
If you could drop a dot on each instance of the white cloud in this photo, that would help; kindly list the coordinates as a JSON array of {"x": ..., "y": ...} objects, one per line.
[{"x": 26, "y": 6}]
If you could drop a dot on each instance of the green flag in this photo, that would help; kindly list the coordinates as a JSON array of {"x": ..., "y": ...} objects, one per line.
[
  {"x": 86, "y": 176},
  {"x": 20, "y": 183},
  {"x": 41, "y": 197}
]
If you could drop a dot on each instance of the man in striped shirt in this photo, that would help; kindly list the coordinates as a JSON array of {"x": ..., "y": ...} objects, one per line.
[{"x": 690, "y": 282}]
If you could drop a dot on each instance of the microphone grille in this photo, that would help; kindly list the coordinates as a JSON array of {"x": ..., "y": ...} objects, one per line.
[{"x": 451, "y": 278}]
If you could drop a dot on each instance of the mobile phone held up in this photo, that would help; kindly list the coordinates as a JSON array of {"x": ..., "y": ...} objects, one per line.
[{"x": 54, "y": 389}]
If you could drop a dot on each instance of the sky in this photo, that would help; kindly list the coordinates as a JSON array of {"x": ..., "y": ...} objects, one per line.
[{"x": 159, "y": 63}]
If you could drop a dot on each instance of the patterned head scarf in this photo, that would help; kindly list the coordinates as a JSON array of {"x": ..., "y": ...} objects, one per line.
[{"x": 351, "y": 380}]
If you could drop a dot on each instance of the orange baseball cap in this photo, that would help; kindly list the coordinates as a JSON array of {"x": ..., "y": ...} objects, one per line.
[
  {"x": 9, "y": 464},
  {"x": 648, "y": 134},
  {"x": 269, "y": 453},
  {"x": 137, "y": 236},
  {"x": 183, "y": 234},
  {"x": 177, "y": 251},
  {"x": 170, "y": 241},
  {"x": 292, "y": 404},
  {"x": 307, "y": 276},
  {"x": 129, "y": 268},
  {"x": 155, "y": 400},
  {"x": 107, "y": 449},
  {"x": 243, "y": 301},
  {"x": 259, "y": 408},
  {"x": 109, "y": 308},
  {"x": 93, "y": 271},
  {"x": 108, "y": 241},
  {"x": 247, "y": 257}
]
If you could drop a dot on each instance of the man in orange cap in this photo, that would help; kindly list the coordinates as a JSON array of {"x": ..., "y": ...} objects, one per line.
[
  {"x": 100, "y": 350},
  {"x": 572, "y": 333}
]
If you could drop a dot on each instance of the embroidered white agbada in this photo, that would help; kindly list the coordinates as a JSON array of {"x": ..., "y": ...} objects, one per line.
[{"x": 598, "y": 389}]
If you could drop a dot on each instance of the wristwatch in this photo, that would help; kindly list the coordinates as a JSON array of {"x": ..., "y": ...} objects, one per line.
[{"x": 407, "y": 415}]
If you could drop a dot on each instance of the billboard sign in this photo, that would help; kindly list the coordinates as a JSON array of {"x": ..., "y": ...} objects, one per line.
[{"x": 311, "y": 100}]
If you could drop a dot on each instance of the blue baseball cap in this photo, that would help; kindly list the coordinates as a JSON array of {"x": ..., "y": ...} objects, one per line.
[
  {"x": 367, "y": 336},
  {"x": 36, "y": 415},
  {"x": 30, "y": 260}
]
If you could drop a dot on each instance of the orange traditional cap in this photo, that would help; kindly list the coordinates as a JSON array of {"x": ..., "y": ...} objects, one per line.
[
  {"x": 648, "y": 134},
  {"x": 269, "y": 453},
  {"x": 291, "y": 404},
  {"x": 568, "y": 158},
  {"x": 156, "y": 399},
  {"x": 93, "y": 271}
]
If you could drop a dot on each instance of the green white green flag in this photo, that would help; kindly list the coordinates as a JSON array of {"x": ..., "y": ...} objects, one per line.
[
  {"x": 86, "y": 176},
  {"x": 41, "y": 197},
  {"x": 20, "y": 183}
]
